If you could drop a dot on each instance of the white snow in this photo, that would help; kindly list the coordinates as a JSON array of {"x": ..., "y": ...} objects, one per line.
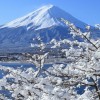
[
  {"x": 19, "y": 32},
  {"x": 43, "y": 17}
]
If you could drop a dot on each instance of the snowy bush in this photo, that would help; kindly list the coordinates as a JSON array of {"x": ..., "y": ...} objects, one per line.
[{"x": 58, "y": 82}]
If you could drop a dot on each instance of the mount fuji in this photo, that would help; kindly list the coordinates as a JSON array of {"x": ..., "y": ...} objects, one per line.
[
  {"x": 44, "y": 17},
  {"x": 44, "y": 22}
]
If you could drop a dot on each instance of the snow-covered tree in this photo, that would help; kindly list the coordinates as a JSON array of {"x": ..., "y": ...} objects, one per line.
[
  {"x": 38, "y": 59},
  {"x": 87, "y": 63},
  {"x": 60, "y": 81}
]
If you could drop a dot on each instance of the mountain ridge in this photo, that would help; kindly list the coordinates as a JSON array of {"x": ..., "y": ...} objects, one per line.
[
  {"x": 44, "y": 22},
  {"x": 44, "y": 17}
]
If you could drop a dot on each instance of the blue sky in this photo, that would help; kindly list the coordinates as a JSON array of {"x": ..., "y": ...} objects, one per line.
[{"x": 86, "y": 10}]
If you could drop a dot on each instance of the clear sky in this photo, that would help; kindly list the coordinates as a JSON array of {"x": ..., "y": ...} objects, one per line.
[{"x": 87, "y": 11}]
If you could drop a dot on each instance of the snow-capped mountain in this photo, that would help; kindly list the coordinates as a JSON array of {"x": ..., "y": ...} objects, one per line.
[
  {"x": 44, "y": 17},
  {"x": 44, "y": 22}
]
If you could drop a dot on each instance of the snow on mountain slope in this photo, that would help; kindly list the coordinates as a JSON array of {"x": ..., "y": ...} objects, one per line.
[
  {"x": 44, "y": 22},
  {"x": 44, "y": 17}
]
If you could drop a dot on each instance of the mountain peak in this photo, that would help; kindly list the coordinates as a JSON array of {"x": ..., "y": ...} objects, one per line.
[
  {"x": 47, "y": 6},
  {"x": 44, "y": 17},
  {"x": 44, "y": 22}
]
